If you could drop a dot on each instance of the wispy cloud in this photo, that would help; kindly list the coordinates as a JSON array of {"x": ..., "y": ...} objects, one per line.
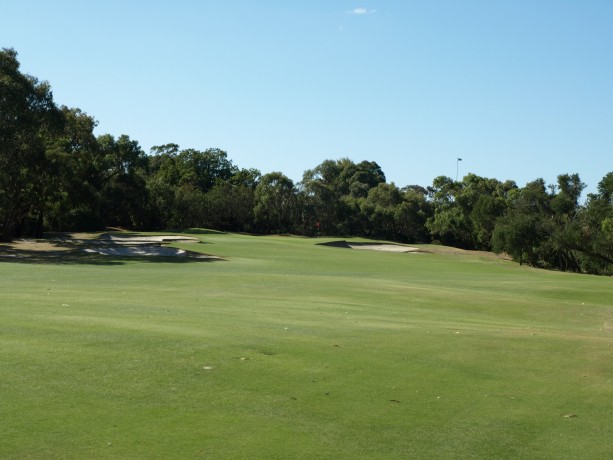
[{"x": 361, "y": 11}]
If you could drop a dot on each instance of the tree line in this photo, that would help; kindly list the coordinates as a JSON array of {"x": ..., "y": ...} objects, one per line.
[{"x": 57, "y": 175}]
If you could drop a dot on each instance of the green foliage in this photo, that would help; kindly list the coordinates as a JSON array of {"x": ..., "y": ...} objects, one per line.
[
  {"x": 122, "y": 168},
  {"x": 551, "y": 230},
  {"x": 74, "y": 187},
  {"x": 465, "y": 213},
  {"x": 594, "y": 230},
  {"x": 518, "y": 234},
  {"x": 185, "y": 186},
  {"x": 275, "y": 204},
  {"x": 56, "y": 175},
  {"x": 29, "y": 120},
  {"x": 334, "y": 190}
]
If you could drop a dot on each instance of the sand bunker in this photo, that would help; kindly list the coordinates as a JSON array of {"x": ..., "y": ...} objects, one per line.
[
  {"x": 388, "y": 247},
  {"x": 384, "y": 247},
  {"x": 70, "y": 245},
  {"x": 145, "y": 251},
  {"x": 139, "y": 240},
  {"x": 143, "y": 246},
  {"x": 140, "y": 251}
]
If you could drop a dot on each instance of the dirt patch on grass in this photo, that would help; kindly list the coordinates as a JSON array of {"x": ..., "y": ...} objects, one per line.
[{"x": 35, "y": 245}]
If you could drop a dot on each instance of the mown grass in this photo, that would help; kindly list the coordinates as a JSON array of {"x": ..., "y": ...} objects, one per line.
[{"x": 290, "y": 349}]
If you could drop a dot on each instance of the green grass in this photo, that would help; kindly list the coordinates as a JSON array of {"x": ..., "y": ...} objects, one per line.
[{"x": 289, "y": 349}]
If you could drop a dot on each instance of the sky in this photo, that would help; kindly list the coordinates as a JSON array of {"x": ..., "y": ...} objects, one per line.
[{"x": 518, "y": 89}]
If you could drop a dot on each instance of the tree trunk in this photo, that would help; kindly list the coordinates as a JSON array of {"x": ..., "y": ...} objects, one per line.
[
  {"x": 39, "y": 225},
  {"x": 7, "y": 234}
]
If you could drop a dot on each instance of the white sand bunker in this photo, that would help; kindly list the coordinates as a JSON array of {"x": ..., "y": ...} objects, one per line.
[
  {"x": 139, "y": 251},
  {"x": 388, "y": 247},
  {"x": 143, "y": 246},
  {"x": 385, "y": 247},
  {"x": 137, "y": 240}
]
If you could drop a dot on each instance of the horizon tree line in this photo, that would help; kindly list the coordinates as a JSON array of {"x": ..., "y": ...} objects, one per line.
[{"x": 56, "y": 175}]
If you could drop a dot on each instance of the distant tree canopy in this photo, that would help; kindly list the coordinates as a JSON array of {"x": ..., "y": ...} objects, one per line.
[{"x": 56, "y": 175}]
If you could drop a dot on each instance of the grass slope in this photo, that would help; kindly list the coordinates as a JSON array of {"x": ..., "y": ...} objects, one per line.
[{"x": 291, "y": 349}]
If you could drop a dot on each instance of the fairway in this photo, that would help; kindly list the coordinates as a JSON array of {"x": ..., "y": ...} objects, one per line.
[{"x": 285, "y": 347}]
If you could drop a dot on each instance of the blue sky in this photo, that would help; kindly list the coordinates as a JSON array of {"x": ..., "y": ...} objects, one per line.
[{"x": 519, "y": 89}]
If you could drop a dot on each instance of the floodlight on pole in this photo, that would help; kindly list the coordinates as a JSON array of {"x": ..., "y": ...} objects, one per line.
[{"x": 457, "y": 167}]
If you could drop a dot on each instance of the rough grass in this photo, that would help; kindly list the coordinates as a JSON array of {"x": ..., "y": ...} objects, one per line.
[{"x": 290, "y": 349}]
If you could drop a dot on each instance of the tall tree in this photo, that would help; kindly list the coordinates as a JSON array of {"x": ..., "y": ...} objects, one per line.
[
  {"x": 594, "y": 234},
  {"x": 230, "y": 204},
  {"x": 203, "y": 169},
  {"x": 560, "y": 250},
  {"x": 412, "y": 215},
  {"x": 465, "y": 212},
  {"x": 332, "y": 188},
  {"x": 29, "y": 120},
  {"x": 450, "y": 225},
  {"x": 542, "y": 228},
  {"x": 229, "y": 207},
  {"x": 180, "y": 179},
  {"x": 74, "y": 193},
  {"x": 120, "y": 175},
  {"x": 275, "y": 203},
  {"x": 381, "y": 206},
  {"x": 319, "y": 188}
]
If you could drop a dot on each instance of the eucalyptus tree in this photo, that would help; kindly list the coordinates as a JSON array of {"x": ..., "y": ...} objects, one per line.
[
  {"x": 230, "y": 204},
  {"x": 465, "y": 213},
  {"x": 412, "y": 215},
  {"x": 275, "y": 201},
  {"x": 29, "y": 122},
  {"x": 381, "y": 210},
  {"x": 561, "y": 248},
  {"x": 120, "y": 175},
  {"x": 594, "y": 235},
  {"x": 484, "y": 200},
  {"x": 162, "y": 183},
  {"x": 449, "y": 224},
  {"x": 203, "y": 169},
  {"x": 334, "y": 190},
  {"x": 179, "y": 181},
  {"x": 526, "y": 225},
  {"x": 319, "y": 189},
  {"x": 74, "y": 192},
  {"x": 544, "y": 228}
]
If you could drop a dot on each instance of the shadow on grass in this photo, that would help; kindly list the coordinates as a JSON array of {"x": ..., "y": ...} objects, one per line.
[
  {"x": 94, "y": 248},
  {"x": 336, "y": 244},
  {"x": 79, "y": 257},
  {"x": 196, "y": 231},
  {"x": 344, "y": 244}
]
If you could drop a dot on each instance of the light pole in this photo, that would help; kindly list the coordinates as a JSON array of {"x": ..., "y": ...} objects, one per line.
[{"x": 457, "y": 167}]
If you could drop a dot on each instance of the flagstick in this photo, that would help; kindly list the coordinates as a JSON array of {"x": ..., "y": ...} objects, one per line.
[{"x": 457, "y": 167}]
